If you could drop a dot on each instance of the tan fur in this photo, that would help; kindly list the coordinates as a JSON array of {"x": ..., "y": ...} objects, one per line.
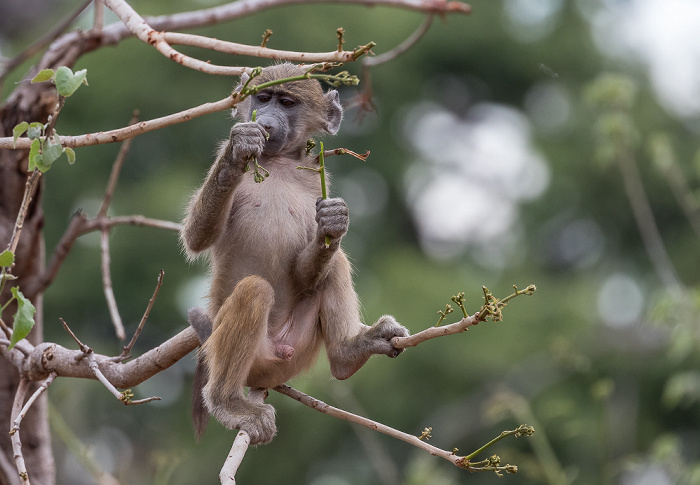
[{"x": 277, "y": 291}]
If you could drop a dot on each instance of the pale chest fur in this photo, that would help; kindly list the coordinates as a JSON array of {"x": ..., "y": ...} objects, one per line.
[{"x": 269, "y": 224}]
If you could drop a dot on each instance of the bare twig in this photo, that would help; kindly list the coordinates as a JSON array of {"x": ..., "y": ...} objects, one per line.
[
  {"x": 48, "y": 357},
  {"x": 121, "y": 134},
  {"x": 29, "y": 189},
  {"x": 127, "y": 349},
  {"x": 126, "y": 396},
  {"x": 409, "y": 42},
  {"x": 99, "y": 18},
  {"x": 107, "y": 286},
  {"x": 233, "y": 48},
  {"x": 433, "y": 332},
  {"x": 417, "y": 441},
  {"x": 43, "y": 387},
  {"x": 644, "y": 217},
  {"x": 36, "y": 46},
  {"x": 8, "y": 470},
  {"x": 22, "y": 389},
  {"x": 227, "y": 476},
  {"x": 116, "y": 168},
  {"x": 79, "y": 226},
  {"x": 163, "y": 41}
]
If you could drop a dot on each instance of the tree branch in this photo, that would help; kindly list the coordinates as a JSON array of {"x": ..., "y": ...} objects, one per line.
[
  {"x": 15, "y": 438},
  {"x": 50, "y": 357},
  {"x": 121, "y": 134},
  {"x": 107, "y": 286}
]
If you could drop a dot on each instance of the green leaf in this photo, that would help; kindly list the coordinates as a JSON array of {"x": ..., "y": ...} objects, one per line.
[
  {"x": 18, "y": 131},
  {"x": 68, "y": 82},
  {"x": 35, "y": 130},
  {"x": 23, "y": 319},
  {"x": 70, "y": 154},
  {"x": 52, "y": 150},
  {"x": 34, "y": 154},
  {"x": 6, "y": 258},
  {"x": 44, "y": 75}
]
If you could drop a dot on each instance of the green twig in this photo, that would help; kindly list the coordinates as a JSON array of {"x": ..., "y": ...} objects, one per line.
[
  {"x": 266, "y": 36},
  {"x": 257, "y": 176},
  {"x": 443, "y": 314},
  {"x": 492, "y": 306},
  {"x": 324, "y": 193},
  {"x": 522, "y": 430},
  {"x": 341, "y": 79}
]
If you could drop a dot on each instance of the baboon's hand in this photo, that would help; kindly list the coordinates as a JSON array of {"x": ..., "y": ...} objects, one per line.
[
  {"x": 332, "y": 218},
  {"x": 247, "y": 141},
  {"x": 378, "y": 338}
]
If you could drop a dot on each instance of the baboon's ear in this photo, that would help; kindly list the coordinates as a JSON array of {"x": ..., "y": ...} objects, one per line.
[
  {"x": 239, "y": 86},
  {"x": 334, "y": 111},
  {"x": 244, "y": 79}
]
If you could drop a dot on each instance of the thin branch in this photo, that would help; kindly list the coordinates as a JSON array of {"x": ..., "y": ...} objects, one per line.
[
  {"x": 8, "y": 470},
  {"x": 22, "y": 389},
  {"x": 127, "y": 349},
  {"x": 227, "y": 475},
  {"x": 458, "y": 461},
  {"x": 434, "y": 332},
  {"x": 98, "y": 18},
  {"x": 32, "y": 182},
  {"x": 79, "y": 226},
  {"x": 73, "y": 231},
  {"x": 42, "y": 388},
  {"x": 36, "y": 46},
  {"x": 233, "y": 48},
  {"x": 117, "y": 31},
  {"x": 126, "y": 396},
  {"x": 48, "y": 357},
  {"x": 107, "y": 286},
  {"x": 409, "y": 42},
  {"x": 116, "y": 167},
  {"x": 121, "y": 134},
  {"x": 646, "y": 223}
]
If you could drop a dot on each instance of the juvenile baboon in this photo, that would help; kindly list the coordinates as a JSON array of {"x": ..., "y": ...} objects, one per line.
[{"x": 278, "y": 290}]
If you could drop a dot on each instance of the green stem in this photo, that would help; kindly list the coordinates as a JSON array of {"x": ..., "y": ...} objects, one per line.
[
  {"x": 335, "y": 80},
  {"x": 324, "y": 192},
  {"x": 498, "y": 438},
  {"x": 322, "y": 171},
  {"x": 2, "y": 309}
]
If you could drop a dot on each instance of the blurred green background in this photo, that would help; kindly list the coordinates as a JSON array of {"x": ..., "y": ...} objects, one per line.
[{"x": 496, "y": 151}]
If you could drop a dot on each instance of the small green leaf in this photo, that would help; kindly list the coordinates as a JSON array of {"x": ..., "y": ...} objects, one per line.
[
  {"x": 70, "y": 154},
  {"x": 7, "y": 258},
  {"x": 23, "y": 319},
  {"x": 34, "y": 153},
  {"x": 52, "y": 150},
  {"x": 18, "y": 131},
  {"x": 44, "y": 75},
  {"x": 68, "y": 82},
  {"x": 35, "y": 130}
]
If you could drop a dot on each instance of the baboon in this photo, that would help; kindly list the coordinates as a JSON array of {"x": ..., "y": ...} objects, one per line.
[{"x": 281, "y": 284}]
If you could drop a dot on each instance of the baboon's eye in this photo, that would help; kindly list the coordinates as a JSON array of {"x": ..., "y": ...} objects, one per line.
[
  {"x": 263, "y": 98},
  {"x": 287, "y": 102}
]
